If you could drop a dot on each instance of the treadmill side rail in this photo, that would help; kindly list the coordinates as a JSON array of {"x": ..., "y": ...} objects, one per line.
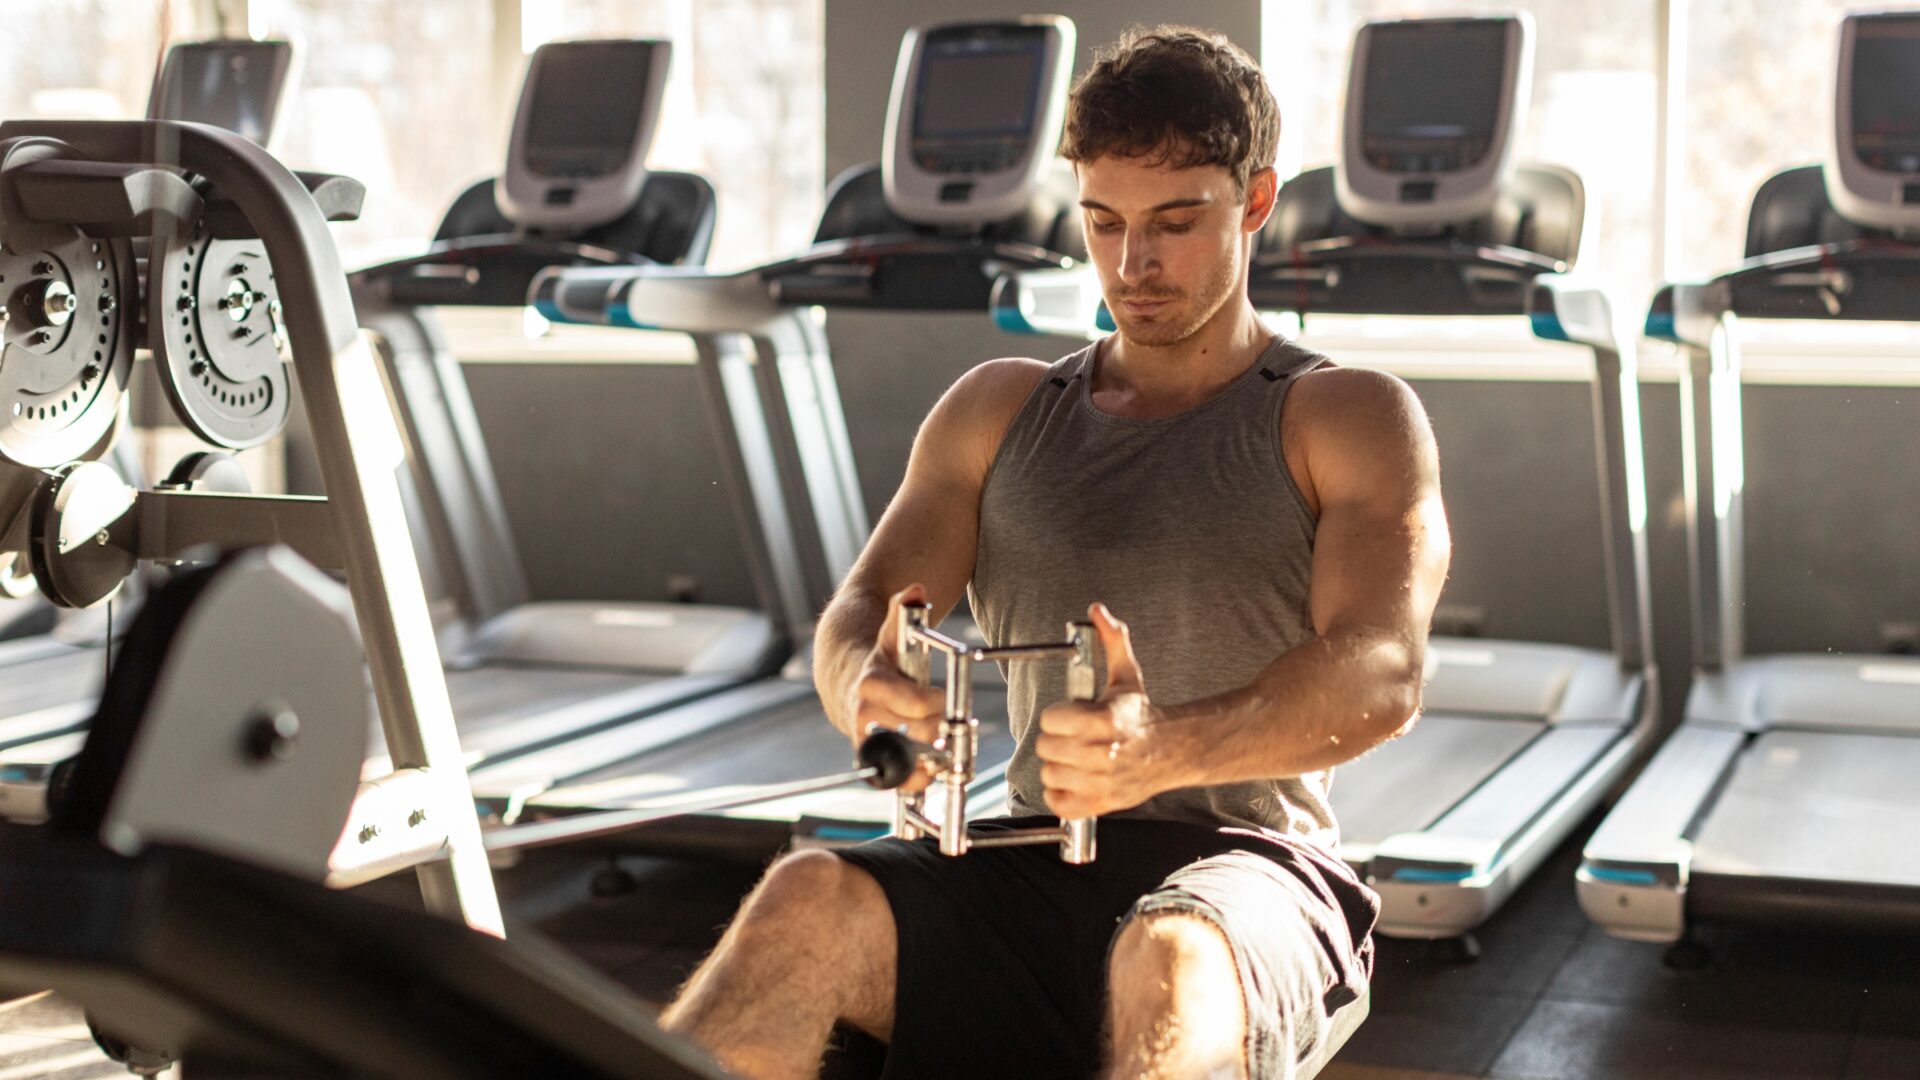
[
  {"x": 1450, "y": 877},
  {"x": 1633, "y": 874}
]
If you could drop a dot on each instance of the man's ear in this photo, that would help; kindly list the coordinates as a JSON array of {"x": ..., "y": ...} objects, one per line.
[{"x": 1263, "y": 189}]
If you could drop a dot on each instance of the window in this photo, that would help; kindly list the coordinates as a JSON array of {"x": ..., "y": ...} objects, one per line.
[
  {"x": 398, "y": 96},
  {"x": 744, "y": 107},
  {"x": 1759, "y": 92},
  {"x": 80, "y": 59}
]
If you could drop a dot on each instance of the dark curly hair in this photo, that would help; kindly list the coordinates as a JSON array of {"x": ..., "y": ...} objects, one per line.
[{"x": 1175, "y": 95}]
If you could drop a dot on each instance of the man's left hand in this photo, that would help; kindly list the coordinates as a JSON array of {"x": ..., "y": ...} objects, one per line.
[{"x": 1106, "y": 755}]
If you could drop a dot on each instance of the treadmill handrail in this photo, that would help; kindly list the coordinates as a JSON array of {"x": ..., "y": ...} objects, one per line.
[
  {"x": 1355, "y": 248},
  {"x": 769, "y": 304},
  {"x": 1565, "y": 311}
]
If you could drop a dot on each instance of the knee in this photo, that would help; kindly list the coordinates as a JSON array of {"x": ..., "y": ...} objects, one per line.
[
  {"x": 1172, "y": 953},
  {"x": 817, "y": 889}
]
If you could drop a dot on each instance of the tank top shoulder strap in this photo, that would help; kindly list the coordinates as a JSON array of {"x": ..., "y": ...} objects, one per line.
[
  {"x": 1285, "y": 361},
  {"x": 1077, "y": 364}
]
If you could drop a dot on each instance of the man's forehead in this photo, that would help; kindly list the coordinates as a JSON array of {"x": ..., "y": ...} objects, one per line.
[{"x": 1127, "y": 183}]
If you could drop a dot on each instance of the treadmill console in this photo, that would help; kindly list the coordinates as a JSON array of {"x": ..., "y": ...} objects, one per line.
[
  {"x": 1432, "y": 110},
  {"x": 1873, "y": 173},
  {"x": 236, "y": 84},
  {"x": 975, "y": 117},
  {"x": 588, "y": 109}
]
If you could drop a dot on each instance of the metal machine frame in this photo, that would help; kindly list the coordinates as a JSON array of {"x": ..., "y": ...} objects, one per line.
[{"x": 361, "y": 527}]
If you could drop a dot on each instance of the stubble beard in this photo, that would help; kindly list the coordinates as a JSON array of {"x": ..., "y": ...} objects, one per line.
[{"x": 1164, "y": 333}]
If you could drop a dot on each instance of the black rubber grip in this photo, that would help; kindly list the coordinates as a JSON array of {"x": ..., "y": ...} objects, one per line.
[{"x": 892, "y": 756}]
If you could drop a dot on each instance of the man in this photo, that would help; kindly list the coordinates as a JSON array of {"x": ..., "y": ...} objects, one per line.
[{"x": 1278, "y": 578}]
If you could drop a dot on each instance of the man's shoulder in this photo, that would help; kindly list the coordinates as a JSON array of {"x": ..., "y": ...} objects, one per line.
[
  {"x": 989, "y": 394},
  {"x": 1357, "y": 432},
  {"x": 1353, "y": 401},
  {"x": 1009, "y": 377},
  {"x": 973, "y": 415}
]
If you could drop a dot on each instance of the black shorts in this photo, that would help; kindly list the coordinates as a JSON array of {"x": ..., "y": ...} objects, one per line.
[{"x": 1003, "y": 951}]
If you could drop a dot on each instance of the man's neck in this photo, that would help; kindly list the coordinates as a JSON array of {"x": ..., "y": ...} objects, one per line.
[{"x": 1148, "y": 380}]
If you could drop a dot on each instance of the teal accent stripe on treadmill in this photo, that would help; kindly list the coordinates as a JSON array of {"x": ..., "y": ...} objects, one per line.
[
  {"x": 1660, "y": 325},
  {"x": 849, "y": 832},
  {"x": 549, "y": 310},
  {"x": 1622, "y": 877},
  {"x": 1009, "y": 320},
  {"x": 1103, "y": 319},
  {"x": 1547, "y": 326},
  {"x": 1438, "y": 877},
  {"x": 622, "y": 316}
]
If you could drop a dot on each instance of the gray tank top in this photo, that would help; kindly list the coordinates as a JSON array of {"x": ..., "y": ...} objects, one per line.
[{"x": 1189, "y": 528}]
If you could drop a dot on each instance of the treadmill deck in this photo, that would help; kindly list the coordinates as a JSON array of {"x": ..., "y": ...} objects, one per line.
[
  {"x": 1407, "y": 784},
  {"x": 1823, "y": 806}
]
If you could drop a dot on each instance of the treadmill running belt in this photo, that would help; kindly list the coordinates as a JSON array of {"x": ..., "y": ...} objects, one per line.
[
  {"x": 792, "y": 742},
  {"x": 499, "y": 711},
  {"x": 488, "y": 697},
  {"x": 1407, "y": 784},
  {"x": 50, "y": 695},
  {"x": 1817, "y": 805}
]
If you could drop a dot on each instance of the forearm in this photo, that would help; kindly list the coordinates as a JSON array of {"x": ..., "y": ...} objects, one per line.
[
  {"x": 841, "y": 644},
  {"x": 1325, "y": 702}
]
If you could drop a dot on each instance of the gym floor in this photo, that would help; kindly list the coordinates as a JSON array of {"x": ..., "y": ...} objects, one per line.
[{"x": 1551, "y": 997}]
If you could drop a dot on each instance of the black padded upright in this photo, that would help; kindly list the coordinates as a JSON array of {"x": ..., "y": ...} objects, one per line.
[
  {"x": 1539, "y": 210},
  {"x": 1313, "y": 256},
  {"x": 670, "y": 223},
  {"x": 857, "y": 206},
  {"x": 1792, "y": 210},
  {"x": 944, "y": 278}
]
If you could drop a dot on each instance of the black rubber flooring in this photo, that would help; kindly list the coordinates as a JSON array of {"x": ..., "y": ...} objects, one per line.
[{"x": 1550, "y": 998}]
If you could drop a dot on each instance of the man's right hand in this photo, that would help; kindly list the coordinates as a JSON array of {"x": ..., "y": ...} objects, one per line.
[{"x": 882, "y": 697}]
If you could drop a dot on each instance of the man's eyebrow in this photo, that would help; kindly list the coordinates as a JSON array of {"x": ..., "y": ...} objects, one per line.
[{"x": 1171, "y": 204}]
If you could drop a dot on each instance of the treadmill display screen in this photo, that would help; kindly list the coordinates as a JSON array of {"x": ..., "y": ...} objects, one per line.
[
  {"x": 1884, "y": 94},
  {"x": 233, "y": 85},
  {"x": 975, "y": 101},
  {"x": 1431, "y": 95},
  {"x": 586, "y": 107}
]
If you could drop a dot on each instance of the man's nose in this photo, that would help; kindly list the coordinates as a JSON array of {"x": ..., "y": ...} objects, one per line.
[{"x": 1138, "y": 260}]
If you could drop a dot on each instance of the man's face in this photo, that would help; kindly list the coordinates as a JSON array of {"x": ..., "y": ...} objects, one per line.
[{"x": 1169, "y": 243}]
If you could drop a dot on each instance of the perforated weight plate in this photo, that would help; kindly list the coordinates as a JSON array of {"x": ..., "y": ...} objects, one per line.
[
  {"x": 65, "y": 346},
  {"x": 214, "y": 325}
]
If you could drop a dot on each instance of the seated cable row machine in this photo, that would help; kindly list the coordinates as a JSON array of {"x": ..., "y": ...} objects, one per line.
[{"x": 53, "y": 680}]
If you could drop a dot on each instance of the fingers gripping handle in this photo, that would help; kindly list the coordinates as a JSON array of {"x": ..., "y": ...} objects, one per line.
[{"x": 1077, "y": 834}]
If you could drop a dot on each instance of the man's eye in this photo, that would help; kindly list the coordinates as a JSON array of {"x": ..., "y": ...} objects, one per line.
[
  {"x": 1176, "y": 226},
  {"x": 1106, "y": 226}
]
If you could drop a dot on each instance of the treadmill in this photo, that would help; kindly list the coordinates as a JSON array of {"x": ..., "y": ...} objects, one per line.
[
  {"x": 575, "y": 191},
  {"x": 1785, "y": 794},
  {"x": 1426, "y": 215},
  {"x": 969, "y": 185},
  {"x": 53, "y": 681}
]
